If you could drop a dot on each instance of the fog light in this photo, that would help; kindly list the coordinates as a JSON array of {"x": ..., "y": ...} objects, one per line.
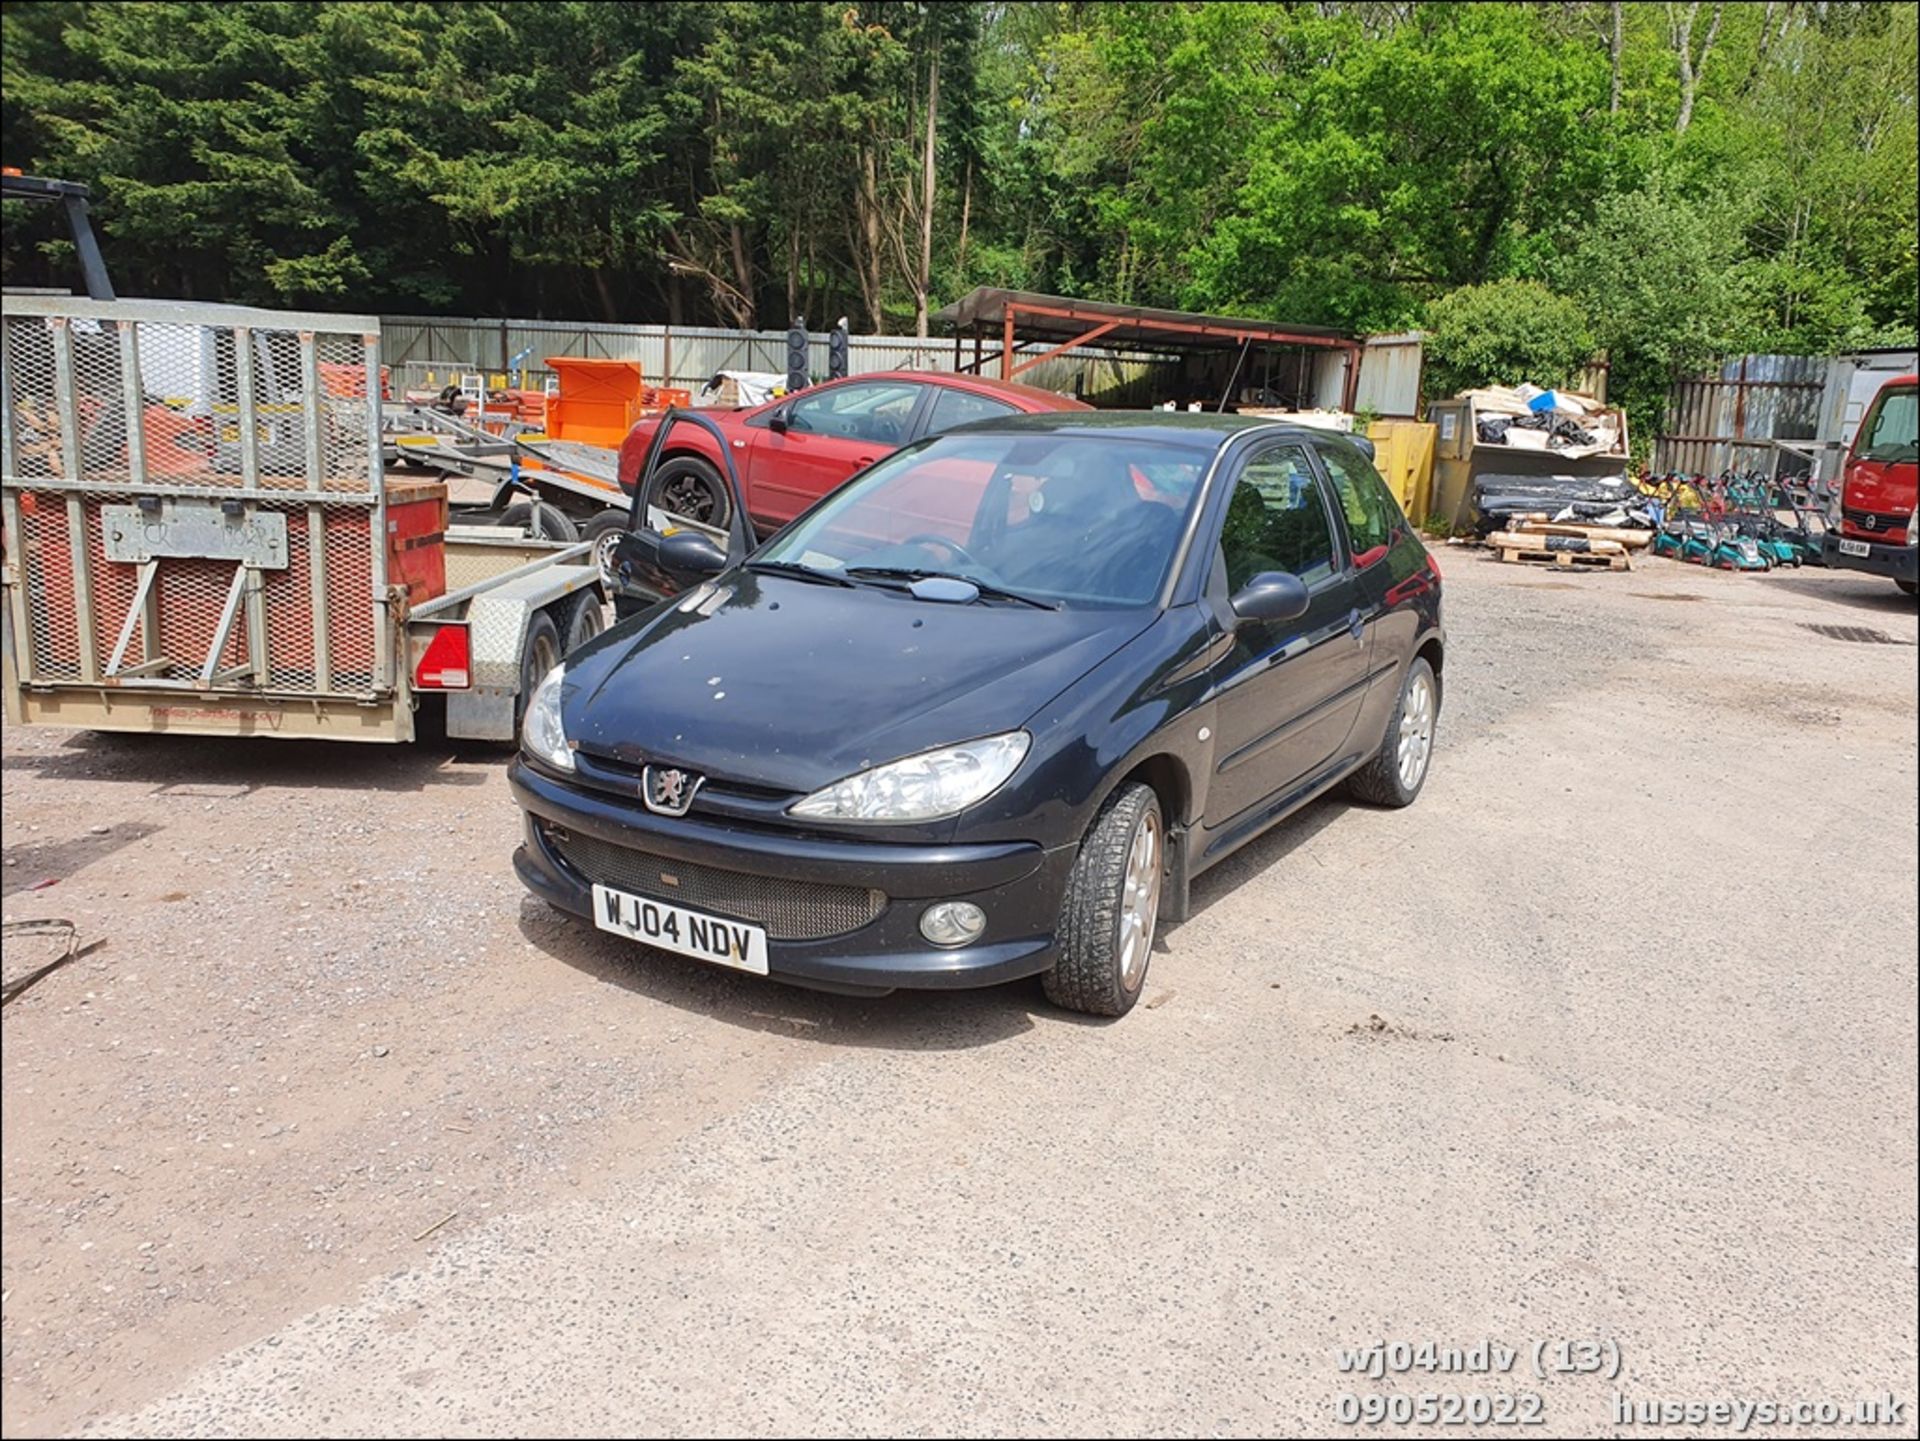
[{"x": 952, "y": 923}]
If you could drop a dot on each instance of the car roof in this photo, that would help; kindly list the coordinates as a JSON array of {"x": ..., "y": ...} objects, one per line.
[
  {"x": 1013, "y": 390},
  {"x": 1206, "y": 429}
]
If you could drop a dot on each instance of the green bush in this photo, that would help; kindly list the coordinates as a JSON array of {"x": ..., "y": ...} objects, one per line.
[{"x": 1502, "y": 334}]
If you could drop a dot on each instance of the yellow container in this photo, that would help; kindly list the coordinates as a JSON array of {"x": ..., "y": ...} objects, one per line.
[{"x": 1403, "y": 452}]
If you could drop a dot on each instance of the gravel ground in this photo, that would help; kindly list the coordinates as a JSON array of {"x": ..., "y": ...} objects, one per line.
[{"x": 1612, "y": 1035}]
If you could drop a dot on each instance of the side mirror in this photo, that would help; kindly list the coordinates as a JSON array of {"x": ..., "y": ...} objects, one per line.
[
  {"x": 664, "y": 564},
  {"x": 777, "y": 422},
  {"x": 645, "y": 564},
  {"x": 688, "y": 552},
  {"x": 1271, "y": 595}
]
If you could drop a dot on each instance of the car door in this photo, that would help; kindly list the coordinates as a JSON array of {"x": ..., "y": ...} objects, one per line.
[
  {"x": 1374, "y": 528},
  {"x": 1286, "y": 692},
  {"x": 811, "y": 444}
]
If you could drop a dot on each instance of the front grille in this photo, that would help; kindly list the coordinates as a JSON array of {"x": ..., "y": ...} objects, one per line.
[
  {"x": 789, "y": 910},
  {"x": 1894, "y": 525}
]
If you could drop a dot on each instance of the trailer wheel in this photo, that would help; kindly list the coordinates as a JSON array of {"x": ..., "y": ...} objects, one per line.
[
  {"x": 540, "y": 520},
  {"x": 584, "y": 620},
  {"x": 605, "y": 530},
  {"x": 540, "y": 652}
]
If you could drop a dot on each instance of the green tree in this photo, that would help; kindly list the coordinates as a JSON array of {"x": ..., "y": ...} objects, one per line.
[
  {"x": 1657, "y": 274},
  {"x": 1736, "y": 175},
  {"x": 1503, "y": 333}
]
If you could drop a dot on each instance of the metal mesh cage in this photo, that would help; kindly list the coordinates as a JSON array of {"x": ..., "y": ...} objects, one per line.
[
  {"x": 192, "y": 496},
  {"x": 187, "y": 597},
  {"x": 236, "y": 405}
]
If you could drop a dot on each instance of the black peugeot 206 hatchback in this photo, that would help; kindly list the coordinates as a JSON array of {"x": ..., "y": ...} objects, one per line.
[{"x": 985, "y": 711}]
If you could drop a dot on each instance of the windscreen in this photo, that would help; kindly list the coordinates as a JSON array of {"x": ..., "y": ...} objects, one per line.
[
  {"x": 1072, "y": 520},
  {"x": 1892, "y": 432}
]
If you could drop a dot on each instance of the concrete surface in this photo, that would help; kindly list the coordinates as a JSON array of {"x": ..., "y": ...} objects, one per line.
[{"x": 1611, "y": 1036}]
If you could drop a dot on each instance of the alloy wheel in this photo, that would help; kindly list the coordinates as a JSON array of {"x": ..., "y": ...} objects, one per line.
[{"x": 1139, "y": 900}]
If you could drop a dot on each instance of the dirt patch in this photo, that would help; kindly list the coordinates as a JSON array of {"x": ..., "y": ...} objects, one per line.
[{"x": 1379, "y": 1028}]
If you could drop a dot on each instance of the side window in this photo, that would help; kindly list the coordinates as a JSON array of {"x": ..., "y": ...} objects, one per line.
[
  {"x": 956, "y": 407},
  {"x": 879, "y": 412},
  {"x": 1371, "y": 512},
  {"x": 1276, "y": 520}
]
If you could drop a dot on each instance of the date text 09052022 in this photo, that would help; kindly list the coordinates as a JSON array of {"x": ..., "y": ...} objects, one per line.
[{"x": 1441, "y": 1408}]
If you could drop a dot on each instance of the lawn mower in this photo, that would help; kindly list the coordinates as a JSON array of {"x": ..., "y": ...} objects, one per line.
[{"x": 1733, "y": 550}]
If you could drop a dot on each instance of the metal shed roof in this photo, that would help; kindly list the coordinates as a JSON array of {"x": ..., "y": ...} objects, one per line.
[{"x": 1060, "y": 317}]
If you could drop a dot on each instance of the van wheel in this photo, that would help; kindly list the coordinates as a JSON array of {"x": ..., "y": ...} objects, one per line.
[
  {"x": 690, "y": 488},
  {"x": 539, "y": 653},
  {"x": 540, "y": 520},
  {"x": 1112, "y": 904},
  {"x": 584, "y": 620},
  {"x": 1399, "y": 768}
]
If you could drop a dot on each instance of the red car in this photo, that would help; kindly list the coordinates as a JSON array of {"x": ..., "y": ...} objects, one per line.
[{"x": 792, "y": 451}]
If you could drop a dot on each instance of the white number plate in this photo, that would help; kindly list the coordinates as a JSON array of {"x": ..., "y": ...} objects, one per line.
[
  {"x": 1855, "y": 547},
  {"x": 194, "y": 529},
  {"x": 674, "y": 928}
]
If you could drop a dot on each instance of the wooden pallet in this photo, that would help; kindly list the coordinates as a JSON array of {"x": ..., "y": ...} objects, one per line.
[
  {"x": 1566, "y": 559},
  {"x": 1540, "y": 525}
]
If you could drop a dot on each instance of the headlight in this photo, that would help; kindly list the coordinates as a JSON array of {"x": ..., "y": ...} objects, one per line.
[
  {"x": 920, "y": 788},
  {"x": 541, "y": 732},
  {"x": 1913, "y": 527}
]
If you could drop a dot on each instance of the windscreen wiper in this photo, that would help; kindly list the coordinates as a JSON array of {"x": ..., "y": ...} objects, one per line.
[
  {"x": 911, "y": 574},
  {"x": 799, "y": 572}
]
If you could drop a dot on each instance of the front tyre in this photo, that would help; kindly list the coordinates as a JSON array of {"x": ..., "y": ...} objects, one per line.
[
  {"x": 1399, "y": 768},
  {"x": 1111, "y": 908}
]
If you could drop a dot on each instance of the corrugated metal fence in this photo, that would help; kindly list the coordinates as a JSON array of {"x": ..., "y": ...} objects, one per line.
[
  {"x": 1727, "y": 420},
  {"x": 425, "y": 350}
]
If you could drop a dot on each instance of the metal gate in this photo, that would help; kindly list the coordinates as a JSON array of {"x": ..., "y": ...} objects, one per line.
[{"x": 193, "y": 500}]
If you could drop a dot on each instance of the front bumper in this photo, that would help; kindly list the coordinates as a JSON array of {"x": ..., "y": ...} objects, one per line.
[
  {"x": 1898, "y": 562},
  {"x": 1018, "y": 884}
]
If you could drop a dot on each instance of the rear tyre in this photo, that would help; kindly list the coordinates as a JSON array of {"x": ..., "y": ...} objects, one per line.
[
  {"x": 584, "y": 621},
  {"x": 1112, "y": 904},
  {"x": 539, "y": 653},
  {"x": 1909, "y": 587},
  {"x": 1399, "y": 768},
  {"x": 690, "y": 488},
  {"x": 540, "y": 520}
]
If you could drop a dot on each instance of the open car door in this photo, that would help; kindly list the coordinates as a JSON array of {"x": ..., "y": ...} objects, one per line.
[{"x": 661, "y": 554}]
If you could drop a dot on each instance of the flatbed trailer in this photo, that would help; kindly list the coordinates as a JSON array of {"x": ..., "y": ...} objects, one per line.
[{"x": 201, "y": 536}]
